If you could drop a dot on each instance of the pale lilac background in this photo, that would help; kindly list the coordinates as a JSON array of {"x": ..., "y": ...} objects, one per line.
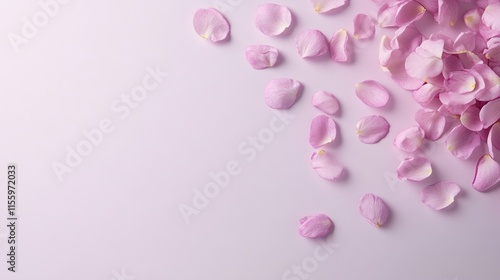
[{"x": 116, "y": 216}]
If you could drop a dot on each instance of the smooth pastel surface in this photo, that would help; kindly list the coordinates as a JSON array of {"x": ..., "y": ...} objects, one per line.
[{"x": 117, "y": 212}]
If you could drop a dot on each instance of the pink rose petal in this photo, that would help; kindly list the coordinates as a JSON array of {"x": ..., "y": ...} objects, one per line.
[
  {"x": 409, "y": 12},
  {"x": 490, "y": 113},
  {"x": 373, "y": 209},
  {"x": 261, "y": 56},
  {"x": 473, "y": 19},
  {"x": 439, "y": 195},
  {"x": 341, "y": 49},
  {"x": 317, "y": 226},
  {"x": 409, "y": 140},
  {"x": 386, "y": 15},
  {"x": 432, "y": 122},
  {"x": 372, "y": 93},
  {"x": 364, "y": 27},
  {"x": 311, "y": 43},
  {"x": 414, "y": 169},
  {"x": 323, "y": 6},
  {"x": 447, "y": 12},
  {"x": 272, "y": 19},
  {"x": 470, "y": 118},
  {"x": 372, "y": 129},
  {"x": 461, "y": 142},
  {"x": 490, "y": 16},
  {"x": 326, "y": 102},
  {"x": 325, "y": 166},
  {"x": 493, "y": 140},
  {"x": 281, "y": 93},
  {"x": 426, "y": 93},
  {"x": 426, "y": 61},
  {"x": 210, "y": 25},
  {"x": 487, "y": 173},
  {"x": 323, "y": 131}
]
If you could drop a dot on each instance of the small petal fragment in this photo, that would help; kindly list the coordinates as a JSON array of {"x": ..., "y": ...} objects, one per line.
[
  {"x": 461, "y": 142},
  {"x": 493, "y": 140},
  {"x": 439, "y": 195},
  {"x": 487, "y": 173},
  {"x": 414, "y": 169},
  {"x": 372, "y": 129},
  {"x": 374, "y": 209},
  {"x": 364, "y": 27},
  {"x": 272, "y": 19},
  {"x": 210, "y": 25},
  {"x": 432, "y": 122},
  {"x": 311, "y": 43},
  {"x": 341, "y": 48},
  {"x": 409, "y": 140},
  {"x": 323, "y": 6},
  {"x": 326, "y": 102},
  {"x": 323, "y": 131},
  {"x": 281, "y": 93},
  {"x": 372, "y": 93},
  {"x": 325, "y": 166},
  {"x": 261, "y": 56},
  {"x": 317, "y": 226}
]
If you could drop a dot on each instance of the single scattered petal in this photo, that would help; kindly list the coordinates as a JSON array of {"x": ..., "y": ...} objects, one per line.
[
  {"x": 414, "y": 169},
  {"x": 487, "y": 173},
  {"x": 210, "y": 25},
  {"x": 439, "y": 195},
  {"x": 323, "y": 131},
  {"x": 374, "y": 209},
  {"x": 470, "y": 119},
  {"x": 281, "y": 93},
  {"x": 447, "y": 12},
  {"x": 432, "y": 122},
  {"x": 409, "y": 140},
  {"x": 323, "y": 6},
  {"x": 261, "y": 56},
  {"x": 372, "y": 93},
  {"x": 493, "y": 140},
  {"x": 490, "y": 113},
  {"x": 364, "y": 27},
  {"x": 311, "y": 43},
  {"x": 409, "y": 12},
  {"x": 372, "y": 129},
  {"x": 426, "y": 61},
  {"x": 326, "y": 102},
  {"x": 317, "y": 226},
  {"x": 325, "y": 166},
  {"x": 461, "y": 142},
  {"x": 272, "y": 19},
  {"x": 341, "y": 48}
]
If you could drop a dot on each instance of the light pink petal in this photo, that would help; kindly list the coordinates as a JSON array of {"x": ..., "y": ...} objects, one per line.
[
  {"x": 406, "y": 39},
  {"x": 409, "y": 140},
  {"x": 386, "y": 15},
  {"x": 323, "y": 6},
  {"x": 493, "y": 140},
  {"x": 372, "y": 129},
  {"x": 432, "y": 122},
  {"x": 490, "y": 16},
  {"x": 430, "y": 5},
  {"x": 364, "y": 27},
  {"x": 461, "y": 142},
  {"x": 492, "y": 83},
  {"x": 325, "y": 166},
  {"x": 373, "y": 209},
  {"x": 396, "y": 66},
  {"x": 272, "y": 19},
  {"x": 385, "y": 51},
  {"x": 409, "y": 12},
  {"x": 487, "y": 173},
  {"x": 261, "y": 56},
  {"x": 451, "y": 64},
  {"x": 317, "y": 226},
  {"x": 210, "y": 25},
  {"x": 414, "y": 169},
  {"x": 473, "y": 19},
  {"x": 493, "y": 54},
  {"x": 470, "y": 119},
  {"x": 323, "y": 131},
  {"x": 490, "y": 113},
  {"x": 326, "y": 102},
  {"x": 281, "y": 93},
  {"x": 426, "y": 93},
  {"x": 311, "y": 43},
  {"x": 440, "y": 195},
  {"x": 341, "y": 48},
  {"x": 460, "y": 82},
  {"x": 447, "y": 12},
  {"x": 372, "y": 93},
  {"x": 426, "y": 61},
  {"x": 465, "y": 41}
]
